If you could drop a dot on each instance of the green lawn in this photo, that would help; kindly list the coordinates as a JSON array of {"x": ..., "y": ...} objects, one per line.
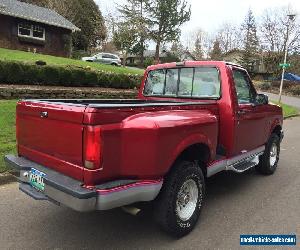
[
  {"x": 7, "y": 127},
  {"x": 7, "y": 130},
  {"x": 288, "y": 111},
  {"x": 16, "y": 55}
]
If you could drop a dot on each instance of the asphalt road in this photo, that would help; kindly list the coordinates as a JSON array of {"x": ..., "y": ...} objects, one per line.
[
  {"x": 290, "y": 100},
  {"x": 236, "y": 204}
]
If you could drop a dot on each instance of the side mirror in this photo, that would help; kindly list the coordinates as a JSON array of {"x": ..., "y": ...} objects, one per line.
[{"x": 261, "y": 99}]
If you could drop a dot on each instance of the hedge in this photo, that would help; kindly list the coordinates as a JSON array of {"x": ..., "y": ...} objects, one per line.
[{"x": 12, "y": 72}]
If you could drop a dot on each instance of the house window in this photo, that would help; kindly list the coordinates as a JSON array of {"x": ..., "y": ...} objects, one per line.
[
  {"x": 24, "y": 29},
  {"x": 32, "y": 31}
]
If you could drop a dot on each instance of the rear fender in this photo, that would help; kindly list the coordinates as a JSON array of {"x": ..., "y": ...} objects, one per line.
[{"x": 189, "y": 141}]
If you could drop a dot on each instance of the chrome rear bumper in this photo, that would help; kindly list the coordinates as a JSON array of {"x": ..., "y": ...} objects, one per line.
[{"x": 62, "y": 189}]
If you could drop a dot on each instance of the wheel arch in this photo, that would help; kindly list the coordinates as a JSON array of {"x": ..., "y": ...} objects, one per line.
[
  {"x": 276, "y": 130},
  {"x": 199, "y": 152}
]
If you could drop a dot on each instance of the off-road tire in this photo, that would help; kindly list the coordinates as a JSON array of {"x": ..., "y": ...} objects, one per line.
[
  {"x": 165, "y": 212},
  {"x": 265, "y": 167}
]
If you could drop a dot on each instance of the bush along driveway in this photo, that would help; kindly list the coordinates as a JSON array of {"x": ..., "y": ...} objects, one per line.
[{"x": 14, "y": 72}]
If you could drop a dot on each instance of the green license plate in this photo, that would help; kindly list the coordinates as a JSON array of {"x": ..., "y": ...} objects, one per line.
[{"x": 37, "y": 179}]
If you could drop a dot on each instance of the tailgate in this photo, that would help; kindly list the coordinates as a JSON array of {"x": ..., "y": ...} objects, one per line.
[{"x": 51, "y": 134}]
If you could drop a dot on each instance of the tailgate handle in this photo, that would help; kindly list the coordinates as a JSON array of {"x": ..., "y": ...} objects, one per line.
[{"x": 44, "y": 114}]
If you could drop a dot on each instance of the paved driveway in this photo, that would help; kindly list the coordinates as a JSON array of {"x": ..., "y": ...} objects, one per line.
[
  {"x": 293, "y": 101},
  {"x": 235, "y": 204}
]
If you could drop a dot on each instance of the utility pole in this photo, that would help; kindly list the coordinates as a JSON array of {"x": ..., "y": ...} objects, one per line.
[{"x": 291, "y": 18}]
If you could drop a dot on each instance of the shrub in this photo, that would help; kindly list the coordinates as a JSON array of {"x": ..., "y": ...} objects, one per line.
[
  {"x": 295, "y": 90},
  {"x": 16, "y": 72},
  {"x": 2, "y": 72},
  {"x": 65, "y": 77},
  {"x": 286, "y": 84},
  {"x": 264, "y": 85},
  {"x": 91, "y": 78},
  {"x": 50, "y": 75},
  {"x": 103, "y": 80},
  {"x": 148, "y": 61},
  {"x": 78, "y": 77},
  {"x": 32, "y": 75}
]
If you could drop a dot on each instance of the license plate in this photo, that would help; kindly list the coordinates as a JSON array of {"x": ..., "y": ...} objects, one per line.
[{"x": 37, "y": 179}]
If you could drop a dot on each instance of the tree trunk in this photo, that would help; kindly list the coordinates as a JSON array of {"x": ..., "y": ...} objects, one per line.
[
  {"x": 124, "y": 59},
  {"x": 157, "y": 52},
  {"x": 142, "y": 44}
]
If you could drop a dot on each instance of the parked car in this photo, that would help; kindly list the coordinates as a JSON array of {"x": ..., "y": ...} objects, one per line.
[
  {"x": 191, "y": 120},
  {"x": 104, "y": 58}
]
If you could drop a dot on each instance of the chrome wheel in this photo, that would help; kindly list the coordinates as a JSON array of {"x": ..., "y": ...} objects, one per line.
[
  {"x": 273, "y": 154},
  {"x": 187, "y": 199}
]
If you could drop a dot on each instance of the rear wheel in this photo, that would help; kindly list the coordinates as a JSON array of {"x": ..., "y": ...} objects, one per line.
[
  {"x": 179, "y": 203},
  {"x": 269, "y": 160}
]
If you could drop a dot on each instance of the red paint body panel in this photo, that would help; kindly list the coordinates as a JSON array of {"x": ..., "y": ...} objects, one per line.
[
  {"x": 142, "y": 142},
  {"x": 55, "y": 141},
  {"x": 144, "y": 145}
]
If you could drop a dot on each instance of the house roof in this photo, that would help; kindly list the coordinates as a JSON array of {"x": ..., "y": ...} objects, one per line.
[{"x": 35, "y": 13}]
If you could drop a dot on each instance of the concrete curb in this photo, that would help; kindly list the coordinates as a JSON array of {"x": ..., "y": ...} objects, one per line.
[
  {"x": 291, "y": 116},
  {"x": 6, "y": 178}
]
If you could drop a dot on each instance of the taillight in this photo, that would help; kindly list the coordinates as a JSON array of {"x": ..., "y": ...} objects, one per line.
[{"x": 92, "y": 147}]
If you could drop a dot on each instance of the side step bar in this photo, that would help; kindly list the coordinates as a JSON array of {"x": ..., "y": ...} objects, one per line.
[
  {"x": 238, "y": 164},
  {"x": 243, "y": 166}
]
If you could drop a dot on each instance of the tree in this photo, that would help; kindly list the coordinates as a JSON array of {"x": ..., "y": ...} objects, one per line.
[
  {"x": 177, "y": 49},
  {"x": 133, "y": 12},
  {"x": 198, "y": 51},
  {"x": 250, "y": 48},
  {"x": 125, "y": 38},
  {"x": 216, "y": 53},
  {"x": 229, "y": 37},
  {"x": 85, "y": 14},
  {"x": 166, "y": 17},
  {"x": 273, "y": 28}
]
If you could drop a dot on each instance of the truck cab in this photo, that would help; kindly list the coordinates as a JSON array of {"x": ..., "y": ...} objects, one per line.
[{"x": 190, "y": 121}]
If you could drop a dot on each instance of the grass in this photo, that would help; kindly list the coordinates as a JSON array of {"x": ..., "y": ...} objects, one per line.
[
  {"x": 7, "y": 127},
  {"x": 16, "y": 55},
  {"x": 7, "y": 130},
  {"x": 288, "y": 111}
]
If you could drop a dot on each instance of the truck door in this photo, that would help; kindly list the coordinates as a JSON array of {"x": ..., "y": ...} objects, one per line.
[{"x": 250, "y": 119}]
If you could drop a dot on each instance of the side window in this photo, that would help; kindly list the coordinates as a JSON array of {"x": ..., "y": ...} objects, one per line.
[
  {"x": 171, "y": 82},
  {"x": 245, "y": 94}
]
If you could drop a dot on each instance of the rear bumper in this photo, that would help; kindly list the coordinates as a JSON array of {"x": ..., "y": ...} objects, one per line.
[{"x": 64, "y": 190}]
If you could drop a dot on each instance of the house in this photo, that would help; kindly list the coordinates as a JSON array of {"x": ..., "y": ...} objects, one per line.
[
  {"x": 187, "y": 56},
  {"x": 31, "y": 28},
  {"x": 134, "y": 59},
  {"x": 258, "y": 66}
]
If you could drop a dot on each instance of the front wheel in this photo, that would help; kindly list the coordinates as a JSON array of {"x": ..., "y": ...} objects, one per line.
[
  {"x": 269, "y": 160},
  {"x": 179, "y": 203}
]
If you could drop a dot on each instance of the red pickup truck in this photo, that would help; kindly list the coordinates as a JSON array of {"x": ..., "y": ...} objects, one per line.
[{"x": 191, "y": 120}]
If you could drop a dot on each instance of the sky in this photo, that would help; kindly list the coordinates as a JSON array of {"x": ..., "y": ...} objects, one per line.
[{"x": 209, "y": 15}]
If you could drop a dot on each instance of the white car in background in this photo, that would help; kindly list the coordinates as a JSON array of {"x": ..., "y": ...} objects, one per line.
[{"x": 104, "y": 58}]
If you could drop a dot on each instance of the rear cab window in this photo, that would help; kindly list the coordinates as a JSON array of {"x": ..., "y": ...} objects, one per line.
[{"x": 195, "y": 82}]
